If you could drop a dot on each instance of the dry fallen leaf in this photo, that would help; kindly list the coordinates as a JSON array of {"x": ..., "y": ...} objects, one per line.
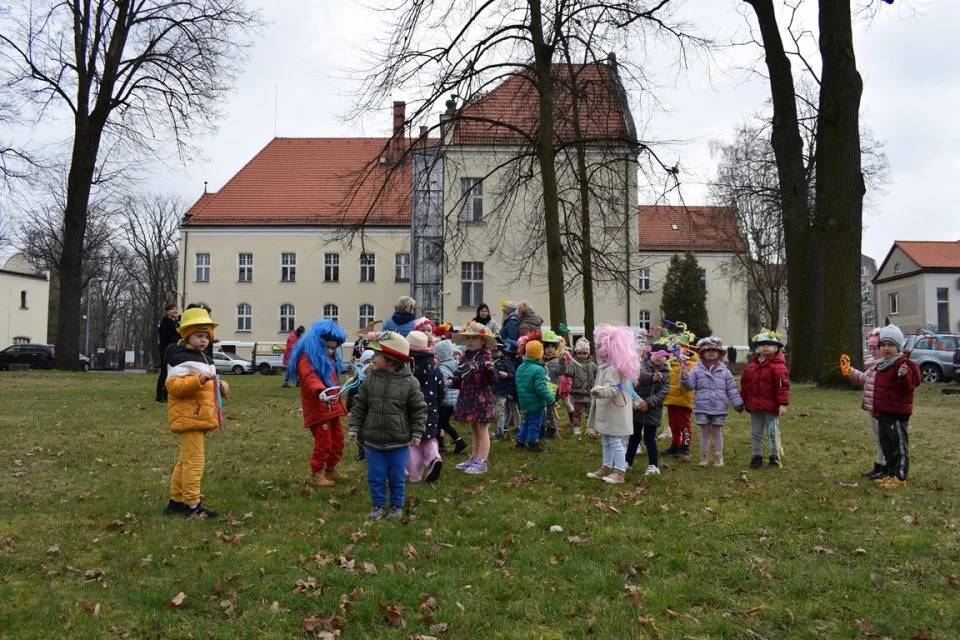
[
  {"x": 393, "y": 612},
  {"x": 440, "y": 627},
  {"x": 93, "y": 574},
  {"x": 753, "y": 612},
  {"x": 913, "y": 518},
  {"x": 410, "y": 551},
  {"x": 823, "y": 550},
  {"x": 866, "y": 628},
  {"x": 331, "y": 625},
  {"x": 578, "y": 540},
  {"x": 177, "y": 600},
  {"x": 369, "y": 567}
]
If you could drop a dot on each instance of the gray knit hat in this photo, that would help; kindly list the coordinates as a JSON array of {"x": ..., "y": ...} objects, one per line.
[{"x": 891, "y": 333}]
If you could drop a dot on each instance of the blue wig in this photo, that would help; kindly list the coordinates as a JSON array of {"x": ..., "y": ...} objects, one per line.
[{"x": 313, "y": 344}]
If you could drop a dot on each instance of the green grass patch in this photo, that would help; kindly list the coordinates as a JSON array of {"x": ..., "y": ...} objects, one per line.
[{"x": 85, "y": 551}]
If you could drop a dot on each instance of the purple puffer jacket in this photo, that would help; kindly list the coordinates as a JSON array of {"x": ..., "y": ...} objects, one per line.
[
  {"x": 712, "y": 388},
  {"x": 866, "y": 380}
]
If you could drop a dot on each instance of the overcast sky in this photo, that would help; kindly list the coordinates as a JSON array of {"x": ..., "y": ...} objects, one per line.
[{"x": 906, "y": 55}]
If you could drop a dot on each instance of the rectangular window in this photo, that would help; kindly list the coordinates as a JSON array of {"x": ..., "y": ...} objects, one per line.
[
  {"x": 868, "y": 318},
  {"x": 471, "y": 284},
  {"x": 288, "y": 267},
  {"x": 244, "y": 267},
  {"x": 645, "y": 279},
  {"x": 943, "y": 309},
  {"x": 287, "y": 318},
  {"x": 471, "y": 194},
  {"x": 244, "y": 317},
  {"x": 893, "y": 302},
  {"x": 366, "y": 315},
  {"x": 202, "y": 262},
  {"x": 368, "y": 267},
  {"x": 403, "y": 267},
  {"x": 23, "y": 300},
  {"x": 331, "y": 267},
  {"x": 331, "y": 312},
  {"x": 703, "y": 279},
  {"x": 644, "y": 320}
]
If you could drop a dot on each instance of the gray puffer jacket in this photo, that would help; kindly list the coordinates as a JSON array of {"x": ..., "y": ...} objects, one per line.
[
  {"x": 389, "y": 410},
  {"x": 652, "y": 392}
]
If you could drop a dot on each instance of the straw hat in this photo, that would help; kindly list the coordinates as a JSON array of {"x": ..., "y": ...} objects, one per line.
[
  {"x": 475, "y": 329},
  {"x": 391, "y": 344}
]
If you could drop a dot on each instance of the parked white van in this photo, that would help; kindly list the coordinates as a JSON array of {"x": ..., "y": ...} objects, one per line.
[{"x": 268, "y": 356}]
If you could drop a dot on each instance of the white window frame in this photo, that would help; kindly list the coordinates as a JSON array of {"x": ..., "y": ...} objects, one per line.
[
  {"x": 331, "y": 312},
  {"x": 644, "y": 319},
  {"x": 402, "y": 267},
  {"x": 644, "y": 280},
  {"x": 288, "y": 266},
  {"x": 288, "y": 320},
  {"x": 331, "y": 267},
  {"x": 368, "y": 267},
  {"x": 201, "y": 271},
  {"x": 244, "y": 268},
  {"x": 471, "y": 193},
  {"x": 898, "y": 268},
  {"x": 17, "y": 340},
  {"x": 471, "y": 284},
  {"x": 244, "y": 317},
  {"x": 893, "y": 303},
  {"x": 363, "y": 318}
]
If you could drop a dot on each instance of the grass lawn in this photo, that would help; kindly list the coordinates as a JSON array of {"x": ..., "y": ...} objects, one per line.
[{"x": 85, "y": 551}]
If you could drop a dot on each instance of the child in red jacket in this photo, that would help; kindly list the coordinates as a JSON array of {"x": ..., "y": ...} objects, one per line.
[
  {"x": 897, "y": 377},
  {"x": 319, "y": 363},
  {"x": 765, "y": 389}
]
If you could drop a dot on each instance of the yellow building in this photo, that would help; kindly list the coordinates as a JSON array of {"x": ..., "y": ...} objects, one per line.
[{"x": 24, "y": 295}]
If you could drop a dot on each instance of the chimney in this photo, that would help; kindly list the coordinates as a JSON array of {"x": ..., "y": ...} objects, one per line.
[
  {"x": 399, "y": 127},
  {"x": 446, "y": 120}
]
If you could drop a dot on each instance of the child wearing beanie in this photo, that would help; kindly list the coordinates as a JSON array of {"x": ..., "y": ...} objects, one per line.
[
  {"x": 533, "y": 395},
  {"x": 866, "y": 379},
  {"x": 896, "y": 378},
  {"x": 584, "y": 375}
]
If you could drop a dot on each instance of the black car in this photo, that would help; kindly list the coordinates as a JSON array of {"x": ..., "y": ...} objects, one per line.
[{"x": 36, "y": 356}]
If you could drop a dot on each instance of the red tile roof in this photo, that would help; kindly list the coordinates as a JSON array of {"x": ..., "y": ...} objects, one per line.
[
  {"x": 699, "y": 229},
  {"x": 932, "y": 254},
  {"x": 312, "y": 181},
  {"x": 491, "y": 118}
]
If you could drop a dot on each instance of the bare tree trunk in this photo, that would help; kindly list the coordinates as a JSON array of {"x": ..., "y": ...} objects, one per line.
[
  {"x": 840, "y": 186},
  {"x": 801, "y": 238},
  {"x": 546, "y": 155}
]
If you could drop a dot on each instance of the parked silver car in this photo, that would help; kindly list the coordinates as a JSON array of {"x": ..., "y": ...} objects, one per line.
[
  {"x": 228, "y": 363},
  {"x": 933, "y": 354}
]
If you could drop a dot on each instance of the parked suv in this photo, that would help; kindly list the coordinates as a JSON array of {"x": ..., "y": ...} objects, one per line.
[{"x": 933, "y": 354}]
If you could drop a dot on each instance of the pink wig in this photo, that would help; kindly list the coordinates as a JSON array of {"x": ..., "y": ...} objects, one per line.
[{"x": 617, "y": 345}]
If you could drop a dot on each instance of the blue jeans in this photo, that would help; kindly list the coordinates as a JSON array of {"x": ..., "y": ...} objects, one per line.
[
  {"x": 530, "y": 426},
  {"x": 385, "y": 467},
  {"x": 613, "y": 454}
]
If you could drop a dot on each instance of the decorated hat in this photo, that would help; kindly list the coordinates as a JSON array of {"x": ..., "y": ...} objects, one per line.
[
  {"x": 767, "y": 336},
  {"x": 582, "y": 345},
  {"x": 661, "y": 345},
  {"x": 418, "y": 341},
  {"x": 195, "y": 319},
  {"x": 711, "y": 343},
  {"x": 550, "y": 337},
  {"x": 391, "y": 344},
  {"x": 475, "y": 329},
  {"x": 534, "y": 350},
  {"x": 423, "y": 323}
]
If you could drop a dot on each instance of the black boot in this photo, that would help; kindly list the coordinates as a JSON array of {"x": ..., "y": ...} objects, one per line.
[
  {"x": 756, "y": 462},
  {"x": 774, "y": 463},
  {"x": 671, "y": 450},
  {"x": 459, "y": 445},
  {"x": 877, "y": 468}
]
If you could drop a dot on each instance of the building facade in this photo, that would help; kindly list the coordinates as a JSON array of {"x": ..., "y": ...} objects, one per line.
[
  {"x": 24, "y": 294},
  {"x": 918, "y": 286}
]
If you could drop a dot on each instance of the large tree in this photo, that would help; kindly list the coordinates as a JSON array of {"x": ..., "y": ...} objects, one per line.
[{"x": 132, "y": 75}]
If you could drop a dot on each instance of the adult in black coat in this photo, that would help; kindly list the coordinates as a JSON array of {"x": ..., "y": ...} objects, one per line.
[{"x": 166, "y": 336}]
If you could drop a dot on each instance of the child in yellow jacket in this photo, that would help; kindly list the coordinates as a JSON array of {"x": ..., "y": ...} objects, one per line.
[
  {"x": 679, "y": 404},
  {"x": 193, "y": 410}
]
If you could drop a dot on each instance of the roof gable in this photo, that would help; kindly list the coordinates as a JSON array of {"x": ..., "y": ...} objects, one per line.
[
  {"x": 312, "y": 181},
  {"x": 915, "y": 256},
  {"x": 509, "y": 114},
  {"x": 680, "y": 228}
]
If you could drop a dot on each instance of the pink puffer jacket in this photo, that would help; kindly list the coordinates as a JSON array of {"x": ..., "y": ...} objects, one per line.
[{"x": 865, "y": 379}]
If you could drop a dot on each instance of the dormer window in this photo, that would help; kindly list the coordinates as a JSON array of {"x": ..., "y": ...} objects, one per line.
[{"x": 898, "y": 268}]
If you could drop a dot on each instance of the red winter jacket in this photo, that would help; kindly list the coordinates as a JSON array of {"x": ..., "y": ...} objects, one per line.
[
  {"x": 893, "y": 394},
  {"x": 315, "y": 410},
  {"x": 765, "y": 386}
]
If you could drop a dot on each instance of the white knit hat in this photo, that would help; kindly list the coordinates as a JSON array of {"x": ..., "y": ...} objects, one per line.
[{"x": 891, "y": 333}]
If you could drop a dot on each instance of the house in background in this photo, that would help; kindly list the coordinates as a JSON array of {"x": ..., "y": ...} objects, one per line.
[
  {"x": 868, "y": 300},
  {"x": 24, "y": 294},
  {"x": 918, "y": 286},
  {"x": 711, "y": 233}
]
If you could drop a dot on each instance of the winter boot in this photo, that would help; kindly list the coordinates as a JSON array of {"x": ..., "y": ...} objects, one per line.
[
  {"x": 320, "y": 479},
  {"x": 756, "y": 462},
  {"x": 704, "y": 460},
  {"x": 774, "y": 463},
  {"x": 718, "y": 462}
]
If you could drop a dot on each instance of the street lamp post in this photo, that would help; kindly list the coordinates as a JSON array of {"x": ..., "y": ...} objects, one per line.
[{"x": 86, "y": 347}]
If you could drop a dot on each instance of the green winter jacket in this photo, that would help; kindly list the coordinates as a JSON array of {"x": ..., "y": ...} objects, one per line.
[
  {"x": 388, "y": 410},
  {"x": 532, "y": 392}
]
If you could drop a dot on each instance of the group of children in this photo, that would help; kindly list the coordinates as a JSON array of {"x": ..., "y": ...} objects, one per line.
[{"x": 406, "y": 391}]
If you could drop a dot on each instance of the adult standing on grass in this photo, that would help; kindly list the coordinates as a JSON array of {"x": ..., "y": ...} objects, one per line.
[
  {"x": 403, "y": 319},
  {"x": 290, "y": 370},
  {"x": 166, "y": 336}
]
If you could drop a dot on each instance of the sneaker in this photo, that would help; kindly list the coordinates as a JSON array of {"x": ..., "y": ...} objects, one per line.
[
  {"x": 320, "y": 479},
  {"x": 880, "y": 474},
  {"x": 535, "y": 447},
  {"x": 704, "y": 460},
  {"x": 614, "y": 477},
  {"x": 499, "y": 435},
  {"x": 375, "y": 514},
  {"x": 893, "y": 482},
  {"x": 333, "y": 474},
  {"x": 478, "y": 467},
  {"x": 652, "y": 470},
  {"x": 433, "y": 472},
  {"x": 174, "y": 508},
  {"x": 395, "y": 512},
  {"x": 774, "y": 463},
  {"x": 719, "y": 461},
  {"x": 881, "y": 479},
  {"x": 756, "y": 462},
  {"x": 600, "y": 473},
  {"x": 466, "y": 463},
  {"x": 683, "y": 453},
  {"x": 459, "y": 445},
  {"x": 520, "y": 445},
  {"x": 877, "y": 469},
  {"x": 198, "y": 511},
  {"x": 671, "y": 450},
  {"x": 664, "y": 435}
]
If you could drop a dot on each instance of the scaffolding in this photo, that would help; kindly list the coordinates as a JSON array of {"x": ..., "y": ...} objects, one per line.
[{"x": 426, "y": 242}]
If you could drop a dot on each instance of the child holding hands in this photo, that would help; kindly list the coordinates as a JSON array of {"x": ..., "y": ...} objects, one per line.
[
  {"x": 389, "y": 414},
  {"x": 475, "y": 378},
  {"x": 765, "y": 389},
  {"x": 713, "y": 387}
]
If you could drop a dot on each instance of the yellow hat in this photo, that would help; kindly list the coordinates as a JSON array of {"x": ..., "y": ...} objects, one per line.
[
  {"x": 534, "y": 350},
  {"x": 193, "y": 320}
]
